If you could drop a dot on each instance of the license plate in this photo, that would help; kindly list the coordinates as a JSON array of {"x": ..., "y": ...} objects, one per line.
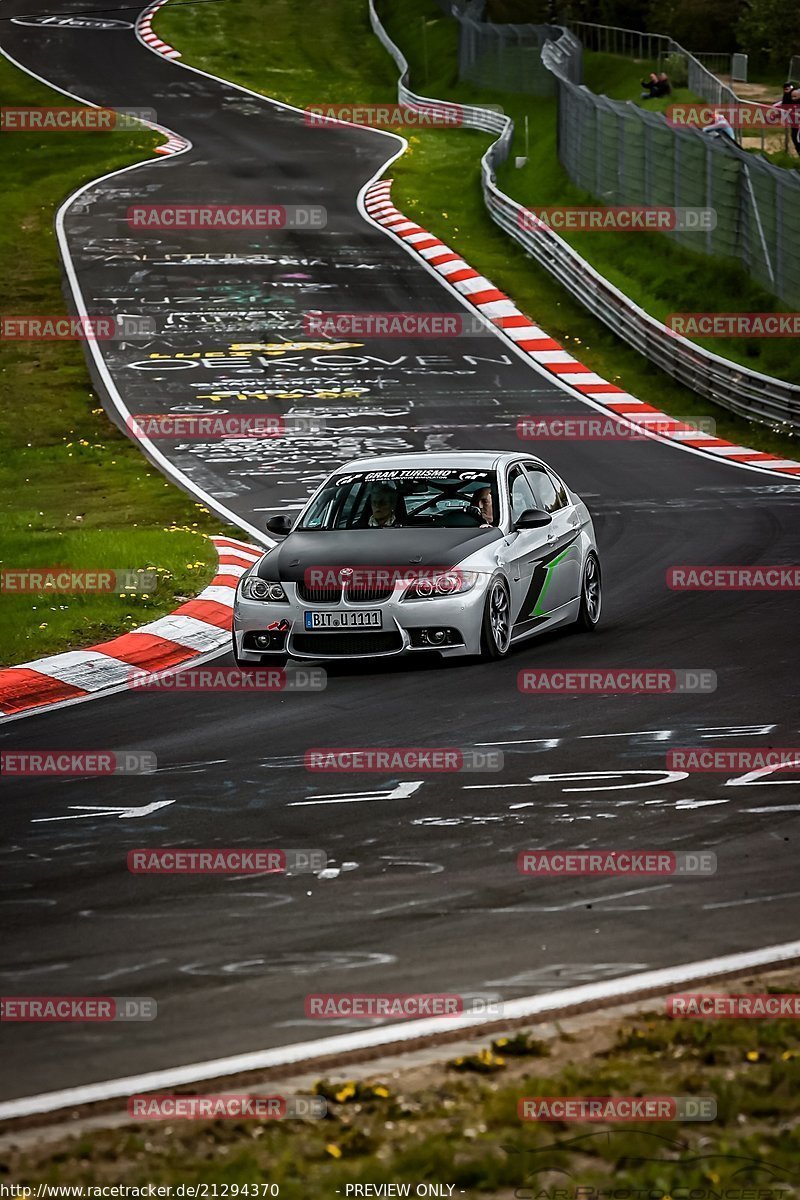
[{"x": 343, "y": 619}]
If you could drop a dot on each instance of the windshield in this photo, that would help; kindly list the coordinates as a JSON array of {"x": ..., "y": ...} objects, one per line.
[{"x": 424, "y": 498}]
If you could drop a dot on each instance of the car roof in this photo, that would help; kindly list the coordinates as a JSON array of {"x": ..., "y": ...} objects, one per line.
[{"x": 472, "y": 459}]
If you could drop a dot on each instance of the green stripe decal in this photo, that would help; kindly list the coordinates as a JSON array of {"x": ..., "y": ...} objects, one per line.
[{"x": 536, "y": 611}]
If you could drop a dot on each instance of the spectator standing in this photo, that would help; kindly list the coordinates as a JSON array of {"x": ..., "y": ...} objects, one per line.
[{"x": 791, "y": 100}]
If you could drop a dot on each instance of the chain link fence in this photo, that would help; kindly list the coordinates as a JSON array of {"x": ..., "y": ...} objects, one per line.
[
  {"x": 742, "y": 391},
  {"x": 502, "y": 57},
  {"x": 506, "y": 58},
  {"x": 623, "y": 154}
]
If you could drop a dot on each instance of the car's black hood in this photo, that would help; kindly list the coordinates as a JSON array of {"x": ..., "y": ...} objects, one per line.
[{"x": 390, "y": 548}]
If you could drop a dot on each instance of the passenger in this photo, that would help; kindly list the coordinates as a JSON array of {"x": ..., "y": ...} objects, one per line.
[
  {"x": 483, "y": 501},
  {"x": 383, "y": 501}
]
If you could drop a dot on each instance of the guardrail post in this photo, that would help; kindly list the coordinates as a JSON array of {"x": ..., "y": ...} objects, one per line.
[
  {"x": 709, "y": 191},
  {"x": 759, "y": 226},
  {"x": 779, "y": 284}
]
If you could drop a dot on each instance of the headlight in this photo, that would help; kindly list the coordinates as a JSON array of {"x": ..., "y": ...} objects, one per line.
[
  {"x": 444, "y": 583},
  {"x": 255, "y": 588}
]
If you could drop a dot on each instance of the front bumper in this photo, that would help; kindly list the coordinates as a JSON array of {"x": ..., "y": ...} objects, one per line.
[{"x": 401, "y": 632}]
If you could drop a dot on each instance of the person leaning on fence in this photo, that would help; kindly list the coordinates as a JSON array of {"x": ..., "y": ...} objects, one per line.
[
  {"x": 651, "y": 87},
  {"x": 720, "y": 125},
  {"x": 791, "y": 100}
]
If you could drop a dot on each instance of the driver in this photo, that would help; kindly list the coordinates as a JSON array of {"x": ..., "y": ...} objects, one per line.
[
  {"x": 383, "y": 501},
  {"x": 483, "y": 501}
]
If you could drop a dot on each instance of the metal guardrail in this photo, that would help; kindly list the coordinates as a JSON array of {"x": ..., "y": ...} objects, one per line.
[
  {"x": 747, "y": 393},
  {"x": 472, "y": 116}
]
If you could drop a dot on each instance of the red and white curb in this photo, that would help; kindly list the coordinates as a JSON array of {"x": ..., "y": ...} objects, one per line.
[
  {"x": 144, "y": 31},
  {"x": 197, "y": 627},
  {"x": 545, "y": 351},
  {"x": 144, "y": 27},
  {"x": 173, "y": 145}
]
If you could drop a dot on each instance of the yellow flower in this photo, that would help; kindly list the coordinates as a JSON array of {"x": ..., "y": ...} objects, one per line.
[
  {"x": 752, "y": 1056},
  {"x": 380, "y": 1091},
  {"x": 333, "y": 1150},
  {"x": 346, "y": 1092}
]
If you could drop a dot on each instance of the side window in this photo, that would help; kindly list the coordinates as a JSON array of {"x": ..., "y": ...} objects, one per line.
[
  {"x": 520, "y": 492},
  {"x": 549, "y": 495},
  {"x": 318, "y": 514},
  {"x": 563, "y": 495}
]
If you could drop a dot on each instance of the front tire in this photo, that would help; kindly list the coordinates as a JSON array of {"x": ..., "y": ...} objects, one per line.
[
  {"x": 591, "y": 594},
  {"x": 496, "y": 629}
]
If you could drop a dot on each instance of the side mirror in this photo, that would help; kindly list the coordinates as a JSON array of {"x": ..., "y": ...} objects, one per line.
[
  {"x": 280, "y": 525},
  {"x": 533, "y": 518}
]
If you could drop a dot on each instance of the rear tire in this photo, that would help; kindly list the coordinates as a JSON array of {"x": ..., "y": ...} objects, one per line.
[
  {"x": 591, "y": 594},
  {"x": 496, "y": 629}
]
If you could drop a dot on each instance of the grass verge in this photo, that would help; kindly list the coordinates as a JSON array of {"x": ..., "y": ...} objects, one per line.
[
  {"x": 454, "y": 1120},
  {"x": 322, "y": 52},
  {"x": 75, "y": 491}
]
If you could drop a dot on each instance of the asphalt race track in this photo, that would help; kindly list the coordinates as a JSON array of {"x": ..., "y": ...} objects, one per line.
[{"x": 423, "y": 894}]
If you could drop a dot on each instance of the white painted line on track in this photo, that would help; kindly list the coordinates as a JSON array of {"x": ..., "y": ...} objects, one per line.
[{"x": 548, "y": 1006}]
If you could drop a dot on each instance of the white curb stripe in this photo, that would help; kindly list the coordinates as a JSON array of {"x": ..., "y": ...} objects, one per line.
[
  {"x": 85, "y": 669},
  {"x": 450, "y": 268},
  {"x": 190, "y": 632}
]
